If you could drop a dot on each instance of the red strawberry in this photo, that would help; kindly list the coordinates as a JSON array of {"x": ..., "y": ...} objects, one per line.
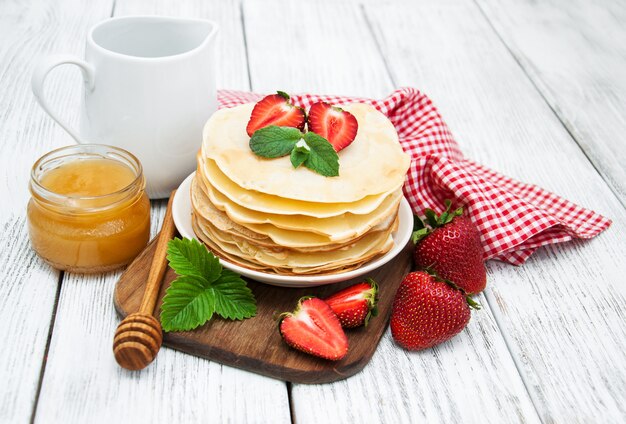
[
  {"x": 334, "y": 124},
  {"x": 452, "y": 249},
  {"x": 427, "y": 312},
  {"x": 314, "y": 328},
  {"x": 355, "y": 305},
  {"x": 275, "y": 109}
]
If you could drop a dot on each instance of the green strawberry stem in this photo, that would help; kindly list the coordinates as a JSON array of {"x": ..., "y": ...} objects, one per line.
[
  {"x": 472, "y": 303},
  {"x": 420, "y": 230},
  {"x": 279, "y": 317}
]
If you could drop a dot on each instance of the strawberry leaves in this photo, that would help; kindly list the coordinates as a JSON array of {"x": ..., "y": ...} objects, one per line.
[
  {"x": 203, "y": 288},
  {"x": 420, "y": 230}
]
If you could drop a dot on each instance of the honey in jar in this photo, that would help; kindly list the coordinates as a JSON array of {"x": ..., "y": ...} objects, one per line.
[{"x": 88, "y": 211}]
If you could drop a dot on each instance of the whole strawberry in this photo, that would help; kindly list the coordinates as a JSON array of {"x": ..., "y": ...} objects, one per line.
[
  {"x": 355, "y": 305},
  {"x": 427, "y": 311},
  {"x": 452, "y": 249}
]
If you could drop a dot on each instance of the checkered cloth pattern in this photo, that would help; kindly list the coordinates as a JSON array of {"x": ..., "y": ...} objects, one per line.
[{"x": 514, "y": 219}]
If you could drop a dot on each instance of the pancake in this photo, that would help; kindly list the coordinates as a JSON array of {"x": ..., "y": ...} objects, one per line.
[
  {"x": 209, "y": 171},
  {"x": 267, "y": 234},
  {"x": 373, "y": 164},
  {"x": 374, "y": 244},
  {"x": 342, "y": 226},
  {"x": 256, "y": 267},
  {"x": 233, "y": 236},
  {"x": 264, "y": 215}
]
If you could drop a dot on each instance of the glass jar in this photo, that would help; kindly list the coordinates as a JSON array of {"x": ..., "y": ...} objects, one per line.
[{"x": 88, "y": 211}]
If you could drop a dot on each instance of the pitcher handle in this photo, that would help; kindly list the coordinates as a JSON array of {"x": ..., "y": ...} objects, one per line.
[{"x": 39, "y": 76}]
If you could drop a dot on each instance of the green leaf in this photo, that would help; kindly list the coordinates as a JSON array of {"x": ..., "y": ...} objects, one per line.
[
  {"x": 418, "y": 224},
  {"x": 283, "y": 94},
  {"x": 190, "y": 257},
  {"x": 233, "y": 298},
  {"x": 322, "y": 159},
  {"x": 188, "y": 303},
  {"x": 444, "y": 218},
  {"x": 431, "y": 217},
  {"x": 419, "y": 234},
  {"x": 299, "y": 154},
  {"x": 202, "y": 289},
  {"x": 273, "y": 141}
]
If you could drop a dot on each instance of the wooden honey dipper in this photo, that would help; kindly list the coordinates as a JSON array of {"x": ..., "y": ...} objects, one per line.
[{"x": 139, "y": 336}]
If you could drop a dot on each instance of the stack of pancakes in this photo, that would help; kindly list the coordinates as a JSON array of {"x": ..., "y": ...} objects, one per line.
[{"x": 265, "y": 215}]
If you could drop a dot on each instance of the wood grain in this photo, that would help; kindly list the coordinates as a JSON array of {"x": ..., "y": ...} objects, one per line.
[
  {"x": 562, "y": 313},
  {"x": 29, "y": 287},
  {"x": 576, "y": 57},
  {"x": 182, "y": 388},
  {"x": 255, "y": 344},
  {"x": 316, "y": 47},
  {"x": 332, "y": 50}
]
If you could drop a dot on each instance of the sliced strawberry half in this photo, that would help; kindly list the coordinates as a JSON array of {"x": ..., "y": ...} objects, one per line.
[
  {"x": 314, "y": 328},
  {"x": 355, "y": 305},
  {"x": 336, "y": 125},
  {"x": 276, "y": 109}
]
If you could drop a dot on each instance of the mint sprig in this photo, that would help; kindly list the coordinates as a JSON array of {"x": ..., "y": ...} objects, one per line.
[
  {"x": 322, "y": 159},
  {"x": 308, "y": 149},
  {"x": 274, "y": 142},
  {"x": 203, "y": 288},
  {"x": 300, "y": 153}
]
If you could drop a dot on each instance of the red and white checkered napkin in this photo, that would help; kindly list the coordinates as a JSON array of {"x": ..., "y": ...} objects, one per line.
[{"x": 514, "y": 219}]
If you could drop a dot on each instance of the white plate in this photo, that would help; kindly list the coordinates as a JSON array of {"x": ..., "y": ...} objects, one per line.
[{"x": 182, "y": 218}]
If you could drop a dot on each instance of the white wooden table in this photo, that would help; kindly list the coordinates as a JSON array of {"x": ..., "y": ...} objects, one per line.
[{"x": 534, "y": 89}]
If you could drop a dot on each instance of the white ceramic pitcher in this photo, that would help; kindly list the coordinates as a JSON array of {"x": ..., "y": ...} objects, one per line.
[{"x": 149, "y": 88}]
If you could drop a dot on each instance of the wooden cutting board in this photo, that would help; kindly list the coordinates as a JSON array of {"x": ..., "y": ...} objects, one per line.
[{"x": 255, "y": 344}]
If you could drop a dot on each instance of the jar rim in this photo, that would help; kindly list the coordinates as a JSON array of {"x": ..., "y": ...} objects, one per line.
[{"x": 97, "y": 151}]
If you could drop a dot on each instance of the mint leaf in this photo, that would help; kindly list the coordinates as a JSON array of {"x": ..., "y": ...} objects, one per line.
[
  {"x": 298, "y": 157},
  {"x": 300, "y": 153},
  {"x": 322, "y": 158},
  {"x": 273, "y": 141},
  {"x": 189, "y": 257},
  {"x": 203, "y": 288}
]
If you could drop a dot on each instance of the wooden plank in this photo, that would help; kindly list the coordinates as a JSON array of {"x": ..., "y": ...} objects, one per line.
[
  {"x": 576, "y": 56},
  {"x": 177, "y": 387},
  {"x": 293, "y": 46},
  {"x": 29, "y": 30},
  {"x": 326, "y": 46},
  {"x": 562, "y": 313}
]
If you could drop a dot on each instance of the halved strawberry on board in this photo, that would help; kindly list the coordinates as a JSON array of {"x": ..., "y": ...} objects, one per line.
[
  {"x": 336, "y": 125},
  {"x": 314, "y": 328},
  {"x": 355, "y": 305},
  {"x": 276, "y": 109}
]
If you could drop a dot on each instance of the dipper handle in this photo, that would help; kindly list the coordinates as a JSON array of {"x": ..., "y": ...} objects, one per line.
[
  {"x": 139, "y": 336},
  {"x": 159, "y": 264}
]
